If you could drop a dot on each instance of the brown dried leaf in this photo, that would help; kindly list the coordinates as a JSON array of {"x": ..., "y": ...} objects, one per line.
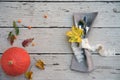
[
  {"x": 40, "y": 64},
  {"x": 26, "y": 42},
  {"x": 33, "y": 44},
  {"x": 11, "y": 38},
  {"x": 46, "y": 16},
  {"x": 28, "y": 75}
]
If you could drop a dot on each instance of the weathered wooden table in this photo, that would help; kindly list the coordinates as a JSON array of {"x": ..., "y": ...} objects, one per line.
[{"x": 51, "y": 43}]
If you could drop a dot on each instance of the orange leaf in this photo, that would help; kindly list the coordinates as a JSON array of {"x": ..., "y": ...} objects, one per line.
[
  {"x": 29, "y": 27},
  {"x": 19, "y": 21},
  {"x": 45, "y": 16},
  {"x": 40, "y": 64},
  {"x": 33, "y": 44}
]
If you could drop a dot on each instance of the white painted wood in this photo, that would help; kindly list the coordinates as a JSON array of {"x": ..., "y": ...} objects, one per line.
[
  {"x": 54, "y": 40},
  {"x": 106, "y": 68},
  {"x": 60, "y": 0},
  {"x": 59, "y": 13}
]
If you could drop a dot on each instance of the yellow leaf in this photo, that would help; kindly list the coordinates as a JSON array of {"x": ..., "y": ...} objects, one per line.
[
  {"x": 40, "y": 64},
  {"x": 28, "y": 75},
  {"x": 79, "y": 39},
  {"x": 75, "y": 34},
  {"x": 69, "y": 33}
]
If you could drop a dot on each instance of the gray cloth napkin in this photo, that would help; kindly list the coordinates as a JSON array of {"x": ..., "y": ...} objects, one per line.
[{"x": 82, "y": 59}]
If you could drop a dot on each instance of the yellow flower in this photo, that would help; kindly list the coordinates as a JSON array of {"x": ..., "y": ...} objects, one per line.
[{"x": 75, "y": 34}]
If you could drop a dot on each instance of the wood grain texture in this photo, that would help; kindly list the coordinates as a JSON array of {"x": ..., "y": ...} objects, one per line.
[
  {"x": 60, "y": 0},
  {"x": 54, "y": 40},
  {"x": 59, "y": 14},
  {"x": 52, "y": 44},
  {"x": 57, "y": 68}
]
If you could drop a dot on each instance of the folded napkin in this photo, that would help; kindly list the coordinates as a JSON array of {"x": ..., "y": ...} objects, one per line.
[{"x": 82, "y": 59}]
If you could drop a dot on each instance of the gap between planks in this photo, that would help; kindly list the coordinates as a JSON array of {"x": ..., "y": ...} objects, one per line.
[
  {"x": 59, "y": 0},
  {"x": 54, "y": 27}
]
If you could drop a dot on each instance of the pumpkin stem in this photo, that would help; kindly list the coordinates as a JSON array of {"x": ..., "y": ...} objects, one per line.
[{"x": 10, "y": 62}]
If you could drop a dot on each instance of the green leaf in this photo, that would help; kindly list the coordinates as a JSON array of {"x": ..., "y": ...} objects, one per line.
[
  {"x": 17, "y": 31},
  {"x": 14, "y": 24},
  {"x": 16, "y": 28}
]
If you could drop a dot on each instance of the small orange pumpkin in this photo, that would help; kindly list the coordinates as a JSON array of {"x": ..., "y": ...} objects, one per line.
[{"x": 15, "y": 61}]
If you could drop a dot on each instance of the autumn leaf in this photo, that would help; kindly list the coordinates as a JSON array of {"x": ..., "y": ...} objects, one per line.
[
  {"x": 19, "y": 21},
  {"x": 16, "y": 28},
  {"x": 75, "y": 35},
  {"x": 26, "y": 42},
  {"x": 45, "y": 16},
  {"x": 33, "y": 44},
  {"x": 11, "y": 38},
  {"x": 12, "y": 34},
  {"x": 28, "y": 75},
  {"x": 29, "y": 27},
  {"x": 40, "y": 64}
]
